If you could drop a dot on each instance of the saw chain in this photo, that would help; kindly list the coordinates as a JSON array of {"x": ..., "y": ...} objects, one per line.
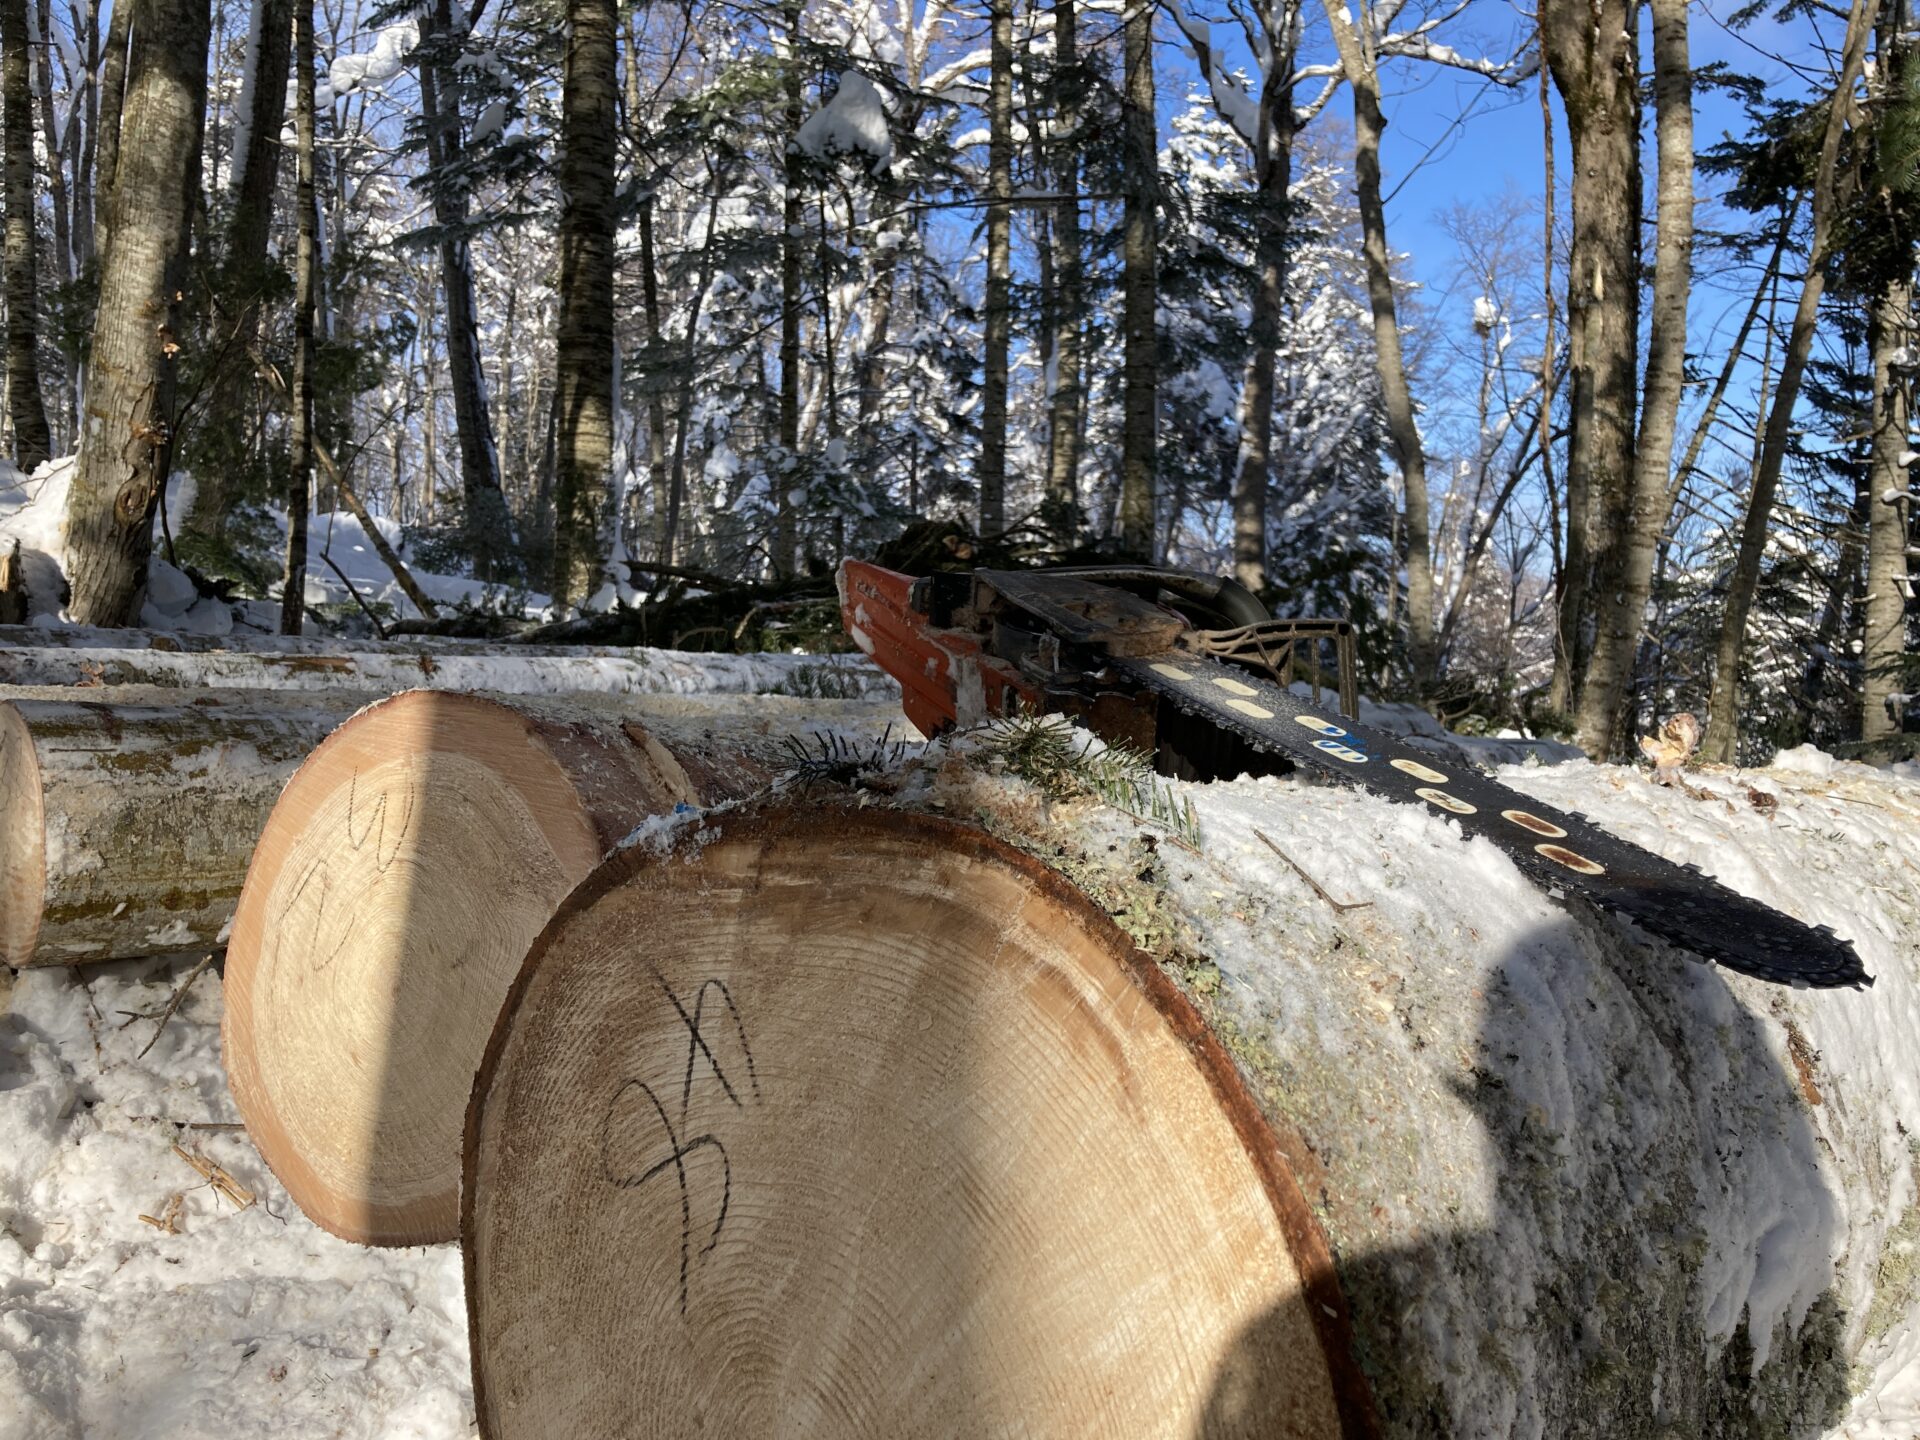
[{"x": 1566, "y": 853}]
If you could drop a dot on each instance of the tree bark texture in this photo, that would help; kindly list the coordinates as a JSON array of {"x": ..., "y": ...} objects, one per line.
[
  {"x": 32, "y": 439},
  {"x": 306, "y": 263},
  {"x": 113, "y": 95},
  {"x": 1723, "y": 720},
  {"x": 1361, "y": 67},
  {"x": 999, "y": 296},
  {"x": 126, "y": 429},
  {"x": 786, "y": 474},
  {"x": 583, "y": 475},
  {"x": 486, "y": 524},
  {"x": 1272, "y": 175},
  {"x": 1067, "y": 402},
  {"x": 1624, "y": 580},
  {"x": 1140, "y": 284},
  {"x": 244, "y": 266},
  {"x": 1889, "y": 529},
  {"x": 1592, "y": 53},
  {"x": 127, "y": 815},
  {"x": 50, "y": 126}
]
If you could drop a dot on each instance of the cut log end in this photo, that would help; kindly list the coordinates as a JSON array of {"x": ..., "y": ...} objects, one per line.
[
  {"x": 864, "y": 1123},
  {"x": 396, "y": 887},
  {"x": 23, "y": 847}
]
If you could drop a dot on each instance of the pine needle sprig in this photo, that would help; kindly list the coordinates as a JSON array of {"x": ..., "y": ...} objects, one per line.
[
  {"x": 833, "y": 759},
  {"x": 1047, "y": 752}
]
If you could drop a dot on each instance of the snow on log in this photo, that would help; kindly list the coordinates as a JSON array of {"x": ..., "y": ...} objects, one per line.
[
  {"x": 530, "y": 670},
  {"x": 1573, "y": 1182},
  {"x": 127, "y": 816},
  {"x": 868, "y": 1123},
  {"x": 101, "y": 637},
  {"x": 395, "y": 890}
]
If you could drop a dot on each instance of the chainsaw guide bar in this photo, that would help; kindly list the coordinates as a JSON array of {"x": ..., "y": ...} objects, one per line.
[
  {"x": 1138, "y": 671},
  {"x": 1558, "y": 850}
]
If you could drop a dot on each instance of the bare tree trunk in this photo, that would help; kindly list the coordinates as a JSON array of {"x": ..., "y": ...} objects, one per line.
[
  {"x": 487, "y": 526},
  {"x": 113, "y": 95},
  {"x": 1140, "y": 405},
  {"x": 1591, "y": 50},
  {"x": 786, "y": 530},
  {"x": 584, "y": 353},
  {"x": 32, "y": 440},
  {"x": 1625, "y": 582},
  {"x": 1361, "y": 67},
  {"x": 1723, "y": 721},
  {"x": 1703, "y": 427},
  {"x": 42, "y": 21},
  {"x": 126, "y": 426},
  {"x": 1889, "y": 504},
  {"x": 87, "y": 113},
  {"x": 1273, "y": 174},
  {"x": 999, "y": 297},
  {"x": 244, "y": 268},
  {"x": 1064, "y": 408},
  {"x": 300, "y": 436}
]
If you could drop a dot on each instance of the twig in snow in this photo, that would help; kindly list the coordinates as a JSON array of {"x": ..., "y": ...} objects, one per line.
[
  {"x": 219, "y": 1179},
  {"x": 1336, "y": 904},
  {"x": 167, "y": 1222},
  {"x": 163, "y": 1016}
]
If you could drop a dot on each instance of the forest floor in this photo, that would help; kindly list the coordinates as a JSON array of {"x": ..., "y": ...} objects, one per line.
[{"x": 138, "y": 1300}]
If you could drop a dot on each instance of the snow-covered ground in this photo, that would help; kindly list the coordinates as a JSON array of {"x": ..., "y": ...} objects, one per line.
[
  {"x": 254, "y": 1323},
  {"x": 33, "y": 510}
]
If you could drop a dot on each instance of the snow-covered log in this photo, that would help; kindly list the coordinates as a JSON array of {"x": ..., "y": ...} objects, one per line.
[
  {"x": 867, "y": 1122},
  {"x": 127, "y": 816},
  {"x": 867, "y": 1114},
  {"x": 508, "y": 669},
  {"x": 395, "y": 890}
]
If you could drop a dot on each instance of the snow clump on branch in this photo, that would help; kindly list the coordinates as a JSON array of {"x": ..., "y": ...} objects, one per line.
[{"x": 853, "y": 122}]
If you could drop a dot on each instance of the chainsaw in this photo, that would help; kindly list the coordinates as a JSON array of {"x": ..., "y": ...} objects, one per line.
[{"x": 1192, "y": 670}]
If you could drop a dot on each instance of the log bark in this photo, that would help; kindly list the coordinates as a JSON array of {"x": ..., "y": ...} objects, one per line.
[
  {"x": 126, "y": 817},
  {"x": 870, "y": 1113},
  {"x": 393, "y": 895},
  {"x": 546, "y": 670}
]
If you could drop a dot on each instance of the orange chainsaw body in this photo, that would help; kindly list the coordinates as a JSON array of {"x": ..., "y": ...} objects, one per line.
[{"x": 946, "y": 677}]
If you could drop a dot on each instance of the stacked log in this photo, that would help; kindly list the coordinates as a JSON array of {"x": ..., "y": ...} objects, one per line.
[
  {"x": 865, "y": 1123},
  {"x": 127, "y": 816},
  {"x": 394, "y": 892},
  {"x": 858, "y": 1121},
  {"x": 110, "y": 658}
]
